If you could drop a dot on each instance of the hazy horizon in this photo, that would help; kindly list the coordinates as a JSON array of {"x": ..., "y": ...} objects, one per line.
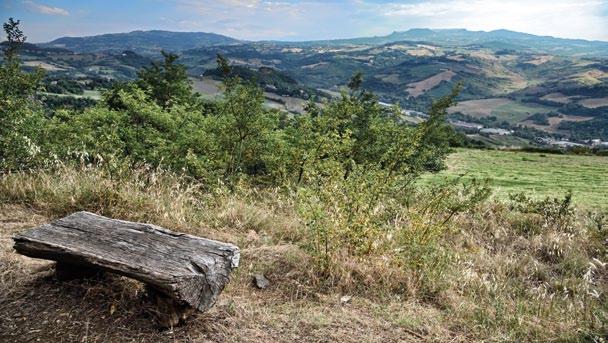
[
  {"x": 293, "y": 20},
  {"x": 305, "y": 40}
]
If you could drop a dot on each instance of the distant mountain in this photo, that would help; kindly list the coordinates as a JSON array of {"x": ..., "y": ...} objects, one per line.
[
  {"x": 151, "y": 42},
  {"x": 142, "y": 42},
  {"x": 498, "y": 39},
  {"x": 510, "y": 79}
]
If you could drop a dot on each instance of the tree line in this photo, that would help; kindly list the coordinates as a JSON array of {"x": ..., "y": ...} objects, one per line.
[{"x": 159, "y": 120}]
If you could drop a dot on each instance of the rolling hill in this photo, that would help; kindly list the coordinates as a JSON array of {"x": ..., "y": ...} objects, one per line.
[
  {"x": 510, "y": 79},
  {"x": 497, "y": 39},
  {"x": 141, "y": 41}
]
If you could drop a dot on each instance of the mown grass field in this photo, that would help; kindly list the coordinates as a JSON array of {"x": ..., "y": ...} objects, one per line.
[
  {"x": 504, "y": 109},
  {"x": 537, "y": 174}
]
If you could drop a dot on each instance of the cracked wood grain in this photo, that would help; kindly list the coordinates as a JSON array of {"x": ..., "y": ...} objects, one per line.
[{"x": 188, "y": 269}]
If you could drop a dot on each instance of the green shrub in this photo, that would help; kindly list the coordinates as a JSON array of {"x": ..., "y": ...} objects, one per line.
[{"x": 557, "y": 213}]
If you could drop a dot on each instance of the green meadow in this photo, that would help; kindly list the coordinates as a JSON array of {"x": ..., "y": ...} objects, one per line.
[{"x": 537, "y": 174}]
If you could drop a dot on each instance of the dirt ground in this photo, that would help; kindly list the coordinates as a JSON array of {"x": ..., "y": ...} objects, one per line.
[{"x": 35, "y": 307}]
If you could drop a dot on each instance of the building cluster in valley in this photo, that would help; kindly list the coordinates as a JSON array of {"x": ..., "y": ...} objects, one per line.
[
  {"x": 566, "y": 144},
  {"x": 476, "y": 128}
]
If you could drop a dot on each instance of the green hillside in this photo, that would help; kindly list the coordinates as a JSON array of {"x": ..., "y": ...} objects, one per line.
[{"x": 140, "y": 41}]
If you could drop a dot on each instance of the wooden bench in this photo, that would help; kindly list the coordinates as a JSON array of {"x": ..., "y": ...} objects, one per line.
[{"x": 183, "y": 272}]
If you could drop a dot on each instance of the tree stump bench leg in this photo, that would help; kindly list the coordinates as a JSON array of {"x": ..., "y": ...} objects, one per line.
[
  {"x": 169, "y": 312},
  {"x": 66, "y": 272}
]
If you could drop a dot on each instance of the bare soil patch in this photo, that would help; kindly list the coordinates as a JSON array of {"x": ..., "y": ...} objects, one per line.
[
  {"x": 594, "y": 102},
  {"x": 417, "y": 88},
  {"x": 557, "y": 97},
  {"x": 315, "y": 65},
  {"x": 538, "y": 60},
  {"x": 554, "y": 122},
  {"x": 207, "y": 86},
  {"x": 43, "y": 65},
  {"x": 420, "y": 52}
]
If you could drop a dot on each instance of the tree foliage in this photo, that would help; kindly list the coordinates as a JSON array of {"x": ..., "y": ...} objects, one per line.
[
  {"x": 348, "y": 164},
  {"x": 20, "y": 113},
  {"x": 167, "y": 82},
  {"x": 159, "y": 120}
]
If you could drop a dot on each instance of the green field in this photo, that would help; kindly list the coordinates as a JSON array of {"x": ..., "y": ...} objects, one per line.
[
  {"x": 91, "y": 94},
  {"x": 515, "y": 112},
  {"x": 537, "y": 174},
  {"x": 504, "y": 109}
]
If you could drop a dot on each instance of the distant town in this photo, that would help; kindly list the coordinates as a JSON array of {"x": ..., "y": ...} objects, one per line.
[{"x": 475, "y": 128}]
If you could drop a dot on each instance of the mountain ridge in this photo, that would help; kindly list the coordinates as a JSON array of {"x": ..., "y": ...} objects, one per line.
[
  {"x": 464, "y": 37},
  {"x": 152, "y": 41},
  {"x": 141, "y": 41}
]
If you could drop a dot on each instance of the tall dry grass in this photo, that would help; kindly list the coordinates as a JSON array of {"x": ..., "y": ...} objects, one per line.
[{"x": 497, "y": 272}]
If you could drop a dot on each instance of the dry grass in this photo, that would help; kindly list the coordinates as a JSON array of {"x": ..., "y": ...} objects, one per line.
[
  {"x": 514, "y": 276},
  {"x": 37, "y": 307}
]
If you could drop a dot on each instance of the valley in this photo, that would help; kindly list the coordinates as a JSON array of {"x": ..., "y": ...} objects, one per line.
[
  {"x": 429, "y": 185},
  {"x": 535, "y": 90}
]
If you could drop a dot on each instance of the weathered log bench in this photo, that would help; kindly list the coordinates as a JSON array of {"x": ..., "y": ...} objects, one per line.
[{"x": 184, "y": 273}]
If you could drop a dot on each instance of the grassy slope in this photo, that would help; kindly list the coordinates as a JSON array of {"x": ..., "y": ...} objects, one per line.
[
  {"x": 36, "y": 307},
  {"x": 537, "y": 173},
  {"x": 512, "y": 276}
]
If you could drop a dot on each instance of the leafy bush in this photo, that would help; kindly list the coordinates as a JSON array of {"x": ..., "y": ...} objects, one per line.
[{"x": 556, "y": 213}]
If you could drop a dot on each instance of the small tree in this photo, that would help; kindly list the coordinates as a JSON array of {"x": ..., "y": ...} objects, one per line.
[
  {"x": 167, "y": 82},
  {"x": 20, "y": 112},
  {"x": 242, "y": 128},
  {"x": 15, "y": 39}
]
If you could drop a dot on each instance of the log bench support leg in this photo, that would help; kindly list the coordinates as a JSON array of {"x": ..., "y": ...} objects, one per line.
[
  {"x": 65, "y": 272},
  {"x": 169, "y": 313}
]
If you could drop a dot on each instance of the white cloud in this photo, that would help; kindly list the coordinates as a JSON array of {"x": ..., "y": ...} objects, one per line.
[
  {"x": 317, "y": 19},
  {"x": 562, "y": 18},
  {"x": 44, "y": 9},
  {"x": 261, "y": 19}
]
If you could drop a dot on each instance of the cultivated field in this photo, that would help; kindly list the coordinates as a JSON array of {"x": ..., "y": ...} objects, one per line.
[
  {"x": 537, "y": 174},
  {"x": 43, "y": 65},
  {"x": 479, "y": 108},
  {"x": 505, "y": 109},
  {"x": 500, "y": 141},
  {"x": 595, "y": 102},
  {"x": 554, "y": 122},
  {"x": 207, "y": 86},
  {"x": 538, "y": 60},
  {"x": 417, "y": 88},
  {"x": 557, "y": 97}
]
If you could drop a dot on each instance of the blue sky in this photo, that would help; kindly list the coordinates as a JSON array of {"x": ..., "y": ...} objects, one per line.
[{"x": 44, "y": 20}]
